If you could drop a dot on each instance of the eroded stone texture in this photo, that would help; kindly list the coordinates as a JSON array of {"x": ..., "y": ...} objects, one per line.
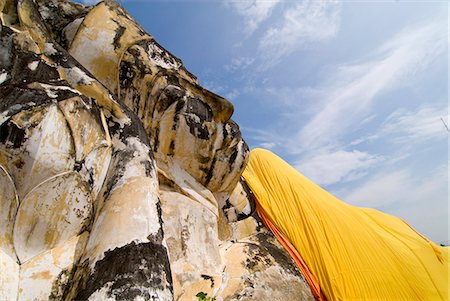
[
  {"x": 120, "y": 174},
  {"x": 79, "y": 184}
]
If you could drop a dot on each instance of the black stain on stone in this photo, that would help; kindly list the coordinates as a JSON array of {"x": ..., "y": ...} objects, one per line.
[
  {"x": 171, "y": 151},
  {"x": 280, "y": 255},
  {"x": 137, "y": 61},
  {"x": 22, "y": 74},
  {"x": 116, "y": 171},
  {"x": 120, "y": 11},
  {"x": 163, "y": 54},
  {"x": 203, "y": 159},
  {"x": 149, "y": 167},
  {"x": 78, "y": 165},
  {"x": 184, "y": 235},
  {"x": 130, "y": 271},
  {"x": 233, "y": 157},
  {"x": 11, "y": 135},
  {"x": 59, "y": 285},
  {"x": 258, "y": 258},
  {"x": 227, "y": 205},
  {"x": 18, "y": 163},
  {"x": 58, "y": 14},
  {"x": 6, "y": 46},
  {"x": 126, "y": 75},
  {"x": 250, "y": 199},
  {"x": 207, "y": 277},
  {"x": 120, "y": 30},
  {"x": 178, "y": 108},
  {"x": 159, "y": 236},
  {"x": 210, "y": 172},
  {"x": 197, "y": 113},
  {"x": 168, "y": 96},
  {"x": 156, "y": 140}
]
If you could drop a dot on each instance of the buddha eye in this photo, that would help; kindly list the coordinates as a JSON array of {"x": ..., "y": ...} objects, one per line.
[
  {"x": 196, "y": 114},
  {"x": 197, "y": 107}
]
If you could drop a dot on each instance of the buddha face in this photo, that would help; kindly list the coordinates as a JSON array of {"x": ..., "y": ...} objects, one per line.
[
  {"x": 203, "y": 139},
  {"x": 189, "y": 127}
]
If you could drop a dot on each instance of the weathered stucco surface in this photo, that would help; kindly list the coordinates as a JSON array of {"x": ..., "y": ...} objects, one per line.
[{"x": 119, "y": 173}]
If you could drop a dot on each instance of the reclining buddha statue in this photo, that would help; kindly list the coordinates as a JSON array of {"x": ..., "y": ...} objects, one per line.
[{"x": 120, "y": 175}]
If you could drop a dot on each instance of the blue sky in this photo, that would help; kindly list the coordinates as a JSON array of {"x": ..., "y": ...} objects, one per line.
[{"x": 350, "y": 93}]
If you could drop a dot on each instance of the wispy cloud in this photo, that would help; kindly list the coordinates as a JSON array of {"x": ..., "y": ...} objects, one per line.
[
  {"x": 410, "y": 127},
  {"x": 394, "y": 188},
  {"x": 416, "y": 126},
  {"x": 344, "y": 103},
  {"x": 420, "y": 200},
  {"x": 265, "y": 139},
  {"x": 307, "y": 22},
  {"x": 253, "y": 11},
  {"x": 231, "y": 95},
  {"x": 240, "y": 63},
  {"x": 350, "y": 102},
  {"x": 337, "y": 166}
]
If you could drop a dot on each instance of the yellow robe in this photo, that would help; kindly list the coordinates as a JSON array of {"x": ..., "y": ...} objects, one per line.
[{"x": 354, "y": 253}]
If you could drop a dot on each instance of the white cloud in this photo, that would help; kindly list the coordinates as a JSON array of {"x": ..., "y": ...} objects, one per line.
[
  {"x": 338, "y": 166},
  {"x": 254, "y": 11},
  {"x": 213, "y": 86},
  {"x": 240, "y": 63},
  {"x": 350, "y": 101},
  {"x": 232, "y": 94},
  {"x": 265, "y": 139},
  {"x": 416, "y": 126},
  {"x": 411, "y": 127},
  {"x": 394, "y": 188},
  {"x": 268, "y": 145},
  {"x": 308, "y": 22},
  {"x": 419, "y": 199}
]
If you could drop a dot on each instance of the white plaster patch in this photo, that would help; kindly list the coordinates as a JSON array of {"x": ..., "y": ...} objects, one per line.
[
  {"x": 5, "y": 115},
  {"x": 49, "y": 49},
  {"x": 45, "y": 13},
  {"x": 121, "y": 121},
  {"x": 52, "y": 91},
  {"x": 247, "y": 209},
  {"x": 66, "y": 88},
  {"x": 142, "y": 150},
  {"x": 51, "y": 94},
  {"x": 3, "y": 77},
  {"x": 157, "y": 55},
  {"x": 33, "y": 65},
  {"x": 103, "y": 293},
  {"x": 118, "y": 144},
  {"x": 194, "y": 117},
  {"x": 76, "y": 76}
]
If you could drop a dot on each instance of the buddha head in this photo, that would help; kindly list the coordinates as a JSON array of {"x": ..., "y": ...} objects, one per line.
[{"x": 189, "y": 127}]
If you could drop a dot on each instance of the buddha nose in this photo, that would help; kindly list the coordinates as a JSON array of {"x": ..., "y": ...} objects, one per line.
[{"x": 221, "y": 108}]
